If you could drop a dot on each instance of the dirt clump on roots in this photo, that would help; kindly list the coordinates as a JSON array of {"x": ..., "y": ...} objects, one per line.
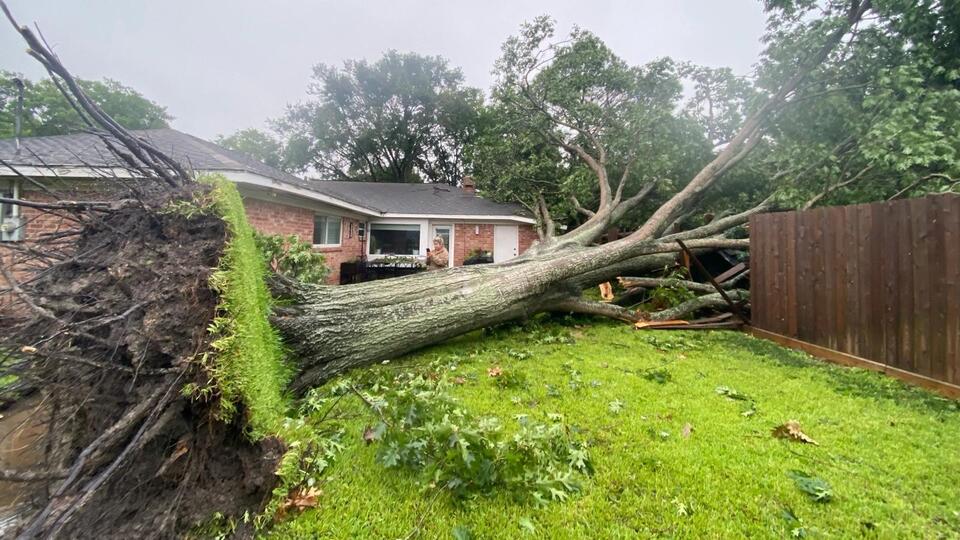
[{"x": 107, "y": 337}]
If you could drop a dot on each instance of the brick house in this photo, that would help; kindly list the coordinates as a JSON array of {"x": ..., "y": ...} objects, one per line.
[{"x": 346, "y": 221}]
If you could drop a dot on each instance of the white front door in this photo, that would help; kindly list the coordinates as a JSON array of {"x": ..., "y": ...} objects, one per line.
[{"x": 506, "y": 242}]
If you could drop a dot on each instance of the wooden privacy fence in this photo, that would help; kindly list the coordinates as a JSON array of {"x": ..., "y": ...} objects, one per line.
[{"x": 880, "y": 282}]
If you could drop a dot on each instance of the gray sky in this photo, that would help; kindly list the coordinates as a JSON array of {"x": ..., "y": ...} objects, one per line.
[{"x": 219, "y": 66}]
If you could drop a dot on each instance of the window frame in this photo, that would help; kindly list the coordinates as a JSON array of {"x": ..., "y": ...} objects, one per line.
[
  {"x": 327, "y": 218},
  {"x": 372, "y": 226},
  {"x": 15, "y": 209}
]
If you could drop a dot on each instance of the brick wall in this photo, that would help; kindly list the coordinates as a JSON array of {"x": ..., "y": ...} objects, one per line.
[
  {"x": 35, "y": 223},
  {"x": 528, "y": 235},
  {"x": 276, "y": 218},
  {"x": 350, "y": 249},
  {"x": 469, "y": 237}
]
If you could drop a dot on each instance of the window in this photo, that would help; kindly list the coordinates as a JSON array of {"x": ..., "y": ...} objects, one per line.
[
  {"x": 10, "y": 226},
  {"x": 326, "y": 230},
  {"x": 394, "y": 239}
]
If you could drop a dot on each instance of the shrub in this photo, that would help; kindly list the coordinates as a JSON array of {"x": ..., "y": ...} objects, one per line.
[{"x": 289, "y": 257}]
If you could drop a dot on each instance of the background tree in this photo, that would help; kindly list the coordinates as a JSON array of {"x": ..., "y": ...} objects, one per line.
[
  {"x": 255, "y": 143},
  {"x": 403, "y": 118},
  {"x": 569, "y": 112},
  {"x": 47, "y": 112}
]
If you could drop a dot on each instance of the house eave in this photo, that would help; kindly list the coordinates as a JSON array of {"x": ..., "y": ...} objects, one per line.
[{"x": 253, "y": 179}]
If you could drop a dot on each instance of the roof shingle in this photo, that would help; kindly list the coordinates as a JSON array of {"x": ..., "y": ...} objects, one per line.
[{"x": 88, "y": 150}]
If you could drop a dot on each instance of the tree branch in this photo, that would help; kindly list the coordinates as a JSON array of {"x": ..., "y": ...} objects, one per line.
[
  {"x": 712, "y": 301},
  {"x": 603, "y": 309}
]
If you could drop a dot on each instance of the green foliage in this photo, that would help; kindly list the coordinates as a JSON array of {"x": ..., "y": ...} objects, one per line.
[
  {"x": 422, "y": 428},
  {"x": 403, "y": 118},
  {"x": 555, "y": 95},
  {"x": 47, "y": 112},
  {"x": 873, "y": 120},
  {"x": 818, "y": 489},
  {"x": 288, "y": 256},
  {"x": 671, "y": 293},
  {"x": 510, "y": 379},
  {"x": 257, "y": 144},
  {"x": 313, "y": 445},
  {"x": 248, "y": 368},
  {"x": 659, "y": 375}
]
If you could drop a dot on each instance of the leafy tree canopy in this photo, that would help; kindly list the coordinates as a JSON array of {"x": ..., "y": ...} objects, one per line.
[
  {"x": 257, "y": 144},
  {"x": 879, "y": 119},
  {"x": 403, "y": 118},
  {"x": 46, "y": 112}
]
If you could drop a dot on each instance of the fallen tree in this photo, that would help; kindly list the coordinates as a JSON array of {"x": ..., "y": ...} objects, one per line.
[{"x": 135, "y": 437}]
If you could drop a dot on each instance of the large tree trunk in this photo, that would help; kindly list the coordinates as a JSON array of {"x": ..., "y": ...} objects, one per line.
[{"x": 334, "y": 328}]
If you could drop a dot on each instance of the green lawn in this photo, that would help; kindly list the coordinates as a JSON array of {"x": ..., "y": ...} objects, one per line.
[{"x": 890, "y": 453}]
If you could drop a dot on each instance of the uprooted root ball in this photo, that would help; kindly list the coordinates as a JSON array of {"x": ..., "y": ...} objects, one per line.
[{"x": 107, "y": 337}]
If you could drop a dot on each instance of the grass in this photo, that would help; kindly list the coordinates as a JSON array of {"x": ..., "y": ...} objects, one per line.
[
  {"x": 889, "y": 454},
  {"x": 249, "y": 366}
]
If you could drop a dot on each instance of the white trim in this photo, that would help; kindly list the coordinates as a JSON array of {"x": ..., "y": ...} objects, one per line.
[
  {"x": 254, "y": 179},
  {"x": 262, "y": 181},
  {"x": 481, "y": 218}
]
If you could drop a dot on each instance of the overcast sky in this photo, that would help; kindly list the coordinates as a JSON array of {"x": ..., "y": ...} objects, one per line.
[{"x": 219, "y": 66}]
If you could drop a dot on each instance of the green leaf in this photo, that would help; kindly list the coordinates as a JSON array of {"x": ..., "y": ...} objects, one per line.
[
  {"x": 818, "y": 489},
  {"x": 462, "y": 532}
]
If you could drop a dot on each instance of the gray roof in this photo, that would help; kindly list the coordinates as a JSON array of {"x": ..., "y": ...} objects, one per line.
[
  {"x": 430, "y": 199},
  {"x": 88, "y": 150}
]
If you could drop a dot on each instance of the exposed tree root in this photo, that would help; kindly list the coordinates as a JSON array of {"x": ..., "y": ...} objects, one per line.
[{"x": 111, "y": 334}]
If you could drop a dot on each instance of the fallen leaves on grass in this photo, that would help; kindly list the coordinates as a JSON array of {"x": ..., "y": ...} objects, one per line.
[
  {"x": 791, "y": 430},
  {"x": 495, "y": 371},
  {"x": 300, "y": 500}
]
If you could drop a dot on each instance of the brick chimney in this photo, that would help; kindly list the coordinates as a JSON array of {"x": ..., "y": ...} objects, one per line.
[{"x": 468, "y": 185}]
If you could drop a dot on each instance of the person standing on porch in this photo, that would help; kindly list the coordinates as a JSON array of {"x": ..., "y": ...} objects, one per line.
[{"x": 438, "y": 257}]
